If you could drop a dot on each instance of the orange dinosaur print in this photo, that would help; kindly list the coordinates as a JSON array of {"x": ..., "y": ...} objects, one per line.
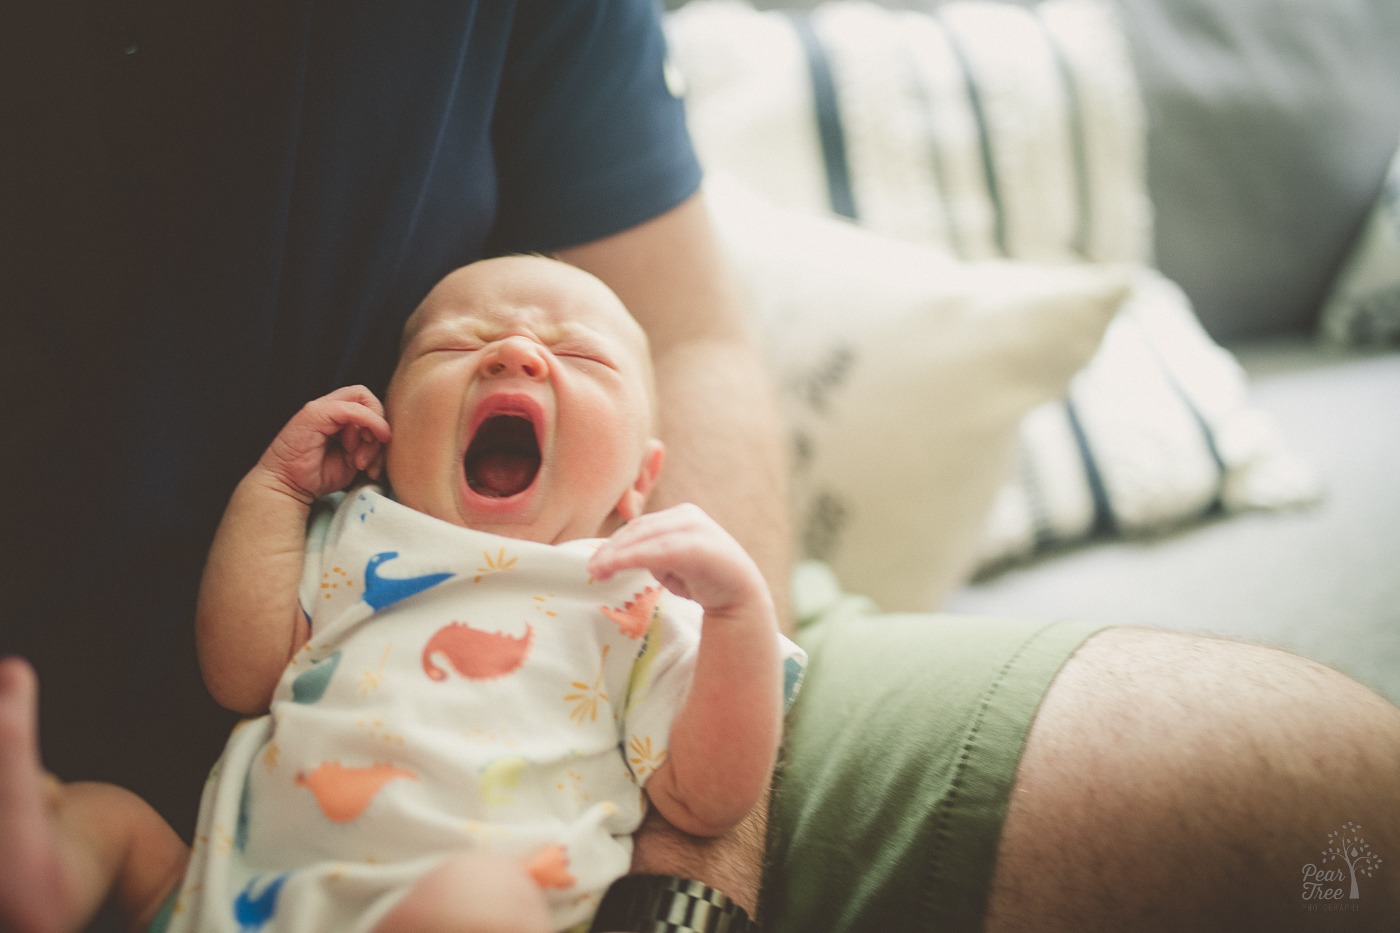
[
  {"x": 635, "y": 615},
  {"x": 344, "y": 793},
  {"x": 476, "y": 654},
  {"x": 550, "y": 867}
]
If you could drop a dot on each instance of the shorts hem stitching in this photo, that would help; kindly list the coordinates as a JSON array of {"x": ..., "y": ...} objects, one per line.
[{"x": 941, "y": 831}]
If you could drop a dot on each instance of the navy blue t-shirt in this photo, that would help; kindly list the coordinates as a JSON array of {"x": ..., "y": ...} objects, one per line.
[{"x": 216, "y": 212}]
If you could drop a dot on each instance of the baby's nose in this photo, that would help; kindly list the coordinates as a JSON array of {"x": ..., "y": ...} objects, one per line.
[{"x": 515, "y": 356}]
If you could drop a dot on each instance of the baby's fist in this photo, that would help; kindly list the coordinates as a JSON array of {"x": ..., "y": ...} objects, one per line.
[
  {"x": 689, "y": 554},
  {"x": 328, "y": 443}
]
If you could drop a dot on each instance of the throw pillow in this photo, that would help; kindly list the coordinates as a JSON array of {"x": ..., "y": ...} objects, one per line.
[
  {"x": 1156, "y": 431},
  {"x": 904, "y": 374},
  {"x": 986, "y": 130}
]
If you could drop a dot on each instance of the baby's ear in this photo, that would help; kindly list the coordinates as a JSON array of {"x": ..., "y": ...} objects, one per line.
[{"x": 634, "y": 500}]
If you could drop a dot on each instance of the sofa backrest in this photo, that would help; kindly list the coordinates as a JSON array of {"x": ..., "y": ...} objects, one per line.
[{"x": 1270, "y": 127}]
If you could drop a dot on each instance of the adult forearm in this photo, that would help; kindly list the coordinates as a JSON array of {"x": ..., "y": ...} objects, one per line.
[
  {"x": 724, "y": 456},
  {"x": 731, "y": 863},
  {"x": 726, "y": 446},
  {"x": 726, "y": 452}
]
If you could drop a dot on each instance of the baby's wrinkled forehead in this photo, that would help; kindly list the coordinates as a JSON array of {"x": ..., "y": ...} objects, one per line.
[{"x": 551, "y": 299}]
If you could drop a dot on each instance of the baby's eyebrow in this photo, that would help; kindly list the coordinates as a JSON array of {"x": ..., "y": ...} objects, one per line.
[
  {"x": 571, "y": 333},
  {"x": 484, "y": 325},
  {"x": 434, "y": 329}
]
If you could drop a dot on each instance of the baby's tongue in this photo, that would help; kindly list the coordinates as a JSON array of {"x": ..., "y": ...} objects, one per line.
[{"x": 503, "y": 473}]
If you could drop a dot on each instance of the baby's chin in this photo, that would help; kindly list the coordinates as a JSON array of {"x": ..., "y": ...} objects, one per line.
[
  {"x": 541, "y": 523},
  {"x": 529, "y": 515}
]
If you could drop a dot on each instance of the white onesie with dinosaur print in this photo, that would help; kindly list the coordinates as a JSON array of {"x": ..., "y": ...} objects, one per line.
[{"x": 460, "y": 690}]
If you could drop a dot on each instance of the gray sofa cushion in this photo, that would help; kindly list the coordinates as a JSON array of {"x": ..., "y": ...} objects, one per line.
[
  {"x": 1320, "y": 581},
  {"x": 1271, "y": 125}
]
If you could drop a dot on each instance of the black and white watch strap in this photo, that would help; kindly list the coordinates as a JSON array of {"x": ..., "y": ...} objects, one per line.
[{"x": 667, "y": 904}]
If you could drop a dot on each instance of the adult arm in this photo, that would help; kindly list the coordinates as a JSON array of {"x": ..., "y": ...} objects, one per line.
[
  {"x": 725, "y": 453},
  {"x": 725, "y": 446}
]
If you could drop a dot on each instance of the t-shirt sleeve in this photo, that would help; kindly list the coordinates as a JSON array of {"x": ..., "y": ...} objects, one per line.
[{"x": 590, "y": 136}]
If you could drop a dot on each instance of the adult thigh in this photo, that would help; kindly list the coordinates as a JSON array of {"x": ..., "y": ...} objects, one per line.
[{"x": 1176, "y": 782}]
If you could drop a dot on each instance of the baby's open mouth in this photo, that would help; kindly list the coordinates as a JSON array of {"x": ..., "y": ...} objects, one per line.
[{"x": 503, "y": 457}]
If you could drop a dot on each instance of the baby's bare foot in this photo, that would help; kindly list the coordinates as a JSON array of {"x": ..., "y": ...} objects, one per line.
[{"x": 35, "y": 890}]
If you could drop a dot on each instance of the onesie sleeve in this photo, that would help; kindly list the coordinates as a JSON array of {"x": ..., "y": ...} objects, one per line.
[
  {"x": 318, "y": 530},
  {"x": 662, "y": 676}
]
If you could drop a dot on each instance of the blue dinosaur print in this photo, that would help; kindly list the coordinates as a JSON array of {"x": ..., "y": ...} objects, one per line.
[
  {"x": 253, "y": 912},
  {"x": 365, "y": 512},
  {"x": 311, "y": 683},
  {"x": 385, "y": 591}
]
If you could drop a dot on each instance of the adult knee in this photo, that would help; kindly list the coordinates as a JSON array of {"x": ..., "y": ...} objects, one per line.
[{"x": 1172, "y": 781}]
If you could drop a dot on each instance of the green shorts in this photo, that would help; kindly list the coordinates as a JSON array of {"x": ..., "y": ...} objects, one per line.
[{"x": 901, "y": 752}]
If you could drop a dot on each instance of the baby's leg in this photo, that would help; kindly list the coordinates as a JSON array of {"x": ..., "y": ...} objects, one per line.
[
  {"x": 65, "y": 848},
  {"x": 471, "y": 893}
]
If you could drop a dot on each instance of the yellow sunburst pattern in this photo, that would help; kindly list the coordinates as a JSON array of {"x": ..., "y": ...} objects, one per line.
[
  {"x": 371, "y": 679},
  {"x": 377, "y": 730},
  {"x": 644, "y": 757},
  {"x": 500, "y": 562},
  {"x": 589, "y": 697},
  {"x": 572, "y": 785}
]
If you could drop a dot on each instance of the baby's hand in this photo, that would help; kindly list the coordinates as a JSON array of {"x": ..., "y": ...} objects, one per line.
[
  {"x": 328, "y": 443},
  {"x": 692, "y": 556}
]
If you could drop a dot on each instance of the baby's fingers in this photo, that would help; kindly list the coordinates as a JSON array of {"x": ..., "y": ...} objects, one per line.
[
  {"x": 639, "y": 544},
  {"x": 358, "y": 394},
  {"x": 375, "y": 469},
  {"x": 332, "y": 415},
  {"x": 359, "y": 445},
  {"x": 689, "y": 553}
]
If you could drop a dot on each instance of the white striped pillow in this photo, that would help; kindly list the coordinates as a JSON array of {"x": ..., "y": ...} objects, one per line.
[
  {"x": 903, "y": 386},
  {"x": 995, "y": 131},
  {"x": 991, "y": 130}
]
